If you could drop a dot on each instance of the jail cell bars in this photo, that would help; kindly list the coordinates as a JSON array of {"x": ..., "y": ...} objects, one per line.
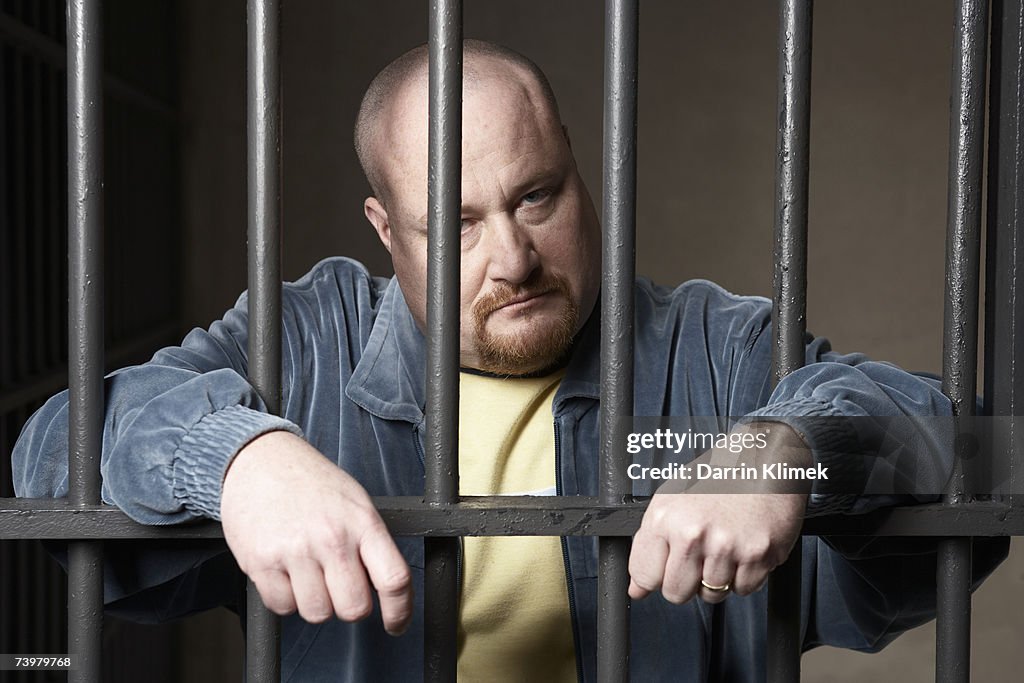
[
  {"x": 141, "y": 124},
  {"x": 612, "y": 515}
]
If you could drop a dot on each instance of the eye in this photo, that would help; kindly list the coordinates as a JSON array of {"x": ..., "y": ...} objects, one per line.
[{"x": 536, "y": 196}]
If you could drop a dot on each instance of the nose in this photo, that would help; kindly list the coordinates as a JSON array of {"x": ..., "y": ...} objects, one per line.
[{"x": 513, "y": 258}]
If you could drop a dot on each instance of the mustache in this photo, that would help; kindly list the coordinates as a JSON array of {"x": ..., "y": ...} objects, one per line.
[{"x": 504, "y": 294}]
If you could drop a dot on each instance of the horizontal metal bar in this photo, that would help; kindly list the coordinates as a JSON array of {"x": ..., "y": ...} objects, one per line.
[{"x": 47, "y": 518}]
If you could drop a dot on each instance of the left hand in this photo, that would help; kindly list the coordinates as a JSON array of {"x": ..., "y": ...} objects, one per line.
[{"x": 731, "y": 540}]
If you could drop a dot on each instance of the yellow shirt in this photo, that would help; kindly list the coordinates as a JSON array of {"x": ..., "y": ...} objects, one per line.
[{"x": 514, "y": 622}]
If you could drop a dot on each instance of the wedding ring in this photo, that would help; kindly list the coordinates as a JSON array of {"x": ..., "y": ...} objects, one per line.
[{"x": 715, "y": 589}]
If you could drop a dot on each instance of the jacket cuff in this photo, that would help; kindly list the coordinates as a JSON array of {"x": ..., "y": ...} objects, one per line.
[
  {"x": 834, "y": 445},
  {"x": 207, "y": 449}
]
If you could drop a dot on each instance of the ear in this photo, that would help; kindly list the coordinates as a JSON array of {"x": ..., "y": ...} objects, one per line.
[{"x": 378, "y": 217}]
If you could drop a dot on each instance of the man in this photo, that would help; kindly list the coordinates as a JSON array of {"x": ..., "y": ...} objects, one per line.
[{"x": 186, "y": 436}]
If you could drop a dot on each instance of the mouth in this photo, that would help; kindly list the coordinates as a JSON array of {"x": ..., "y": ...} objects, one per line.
[{"x": 522, "y": 301}]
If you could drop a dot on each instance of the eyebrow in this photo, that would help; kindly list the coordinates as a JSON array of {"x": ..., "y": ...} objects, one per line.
[{"x": 552, "y": 178}]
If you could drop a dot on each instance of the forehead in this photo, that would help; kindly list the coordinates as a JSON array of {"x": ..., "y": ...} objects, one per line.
[{"x": 504, "y": 112}]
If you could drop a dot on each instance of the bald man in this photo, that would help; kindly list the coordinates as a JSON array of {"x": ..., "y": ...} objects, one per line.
[{"x": 187, "y": 437}]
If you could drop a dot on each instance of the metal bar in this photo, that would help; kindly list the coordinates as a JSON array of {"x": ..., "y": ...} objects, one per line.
[
  {"x": 50, "y": 519},
  {"x": 19, "y": 337},
  {"x": 444, "y": 196},
  {"x": 622, "y": 20},
  {"x": 8, "y": 302},
  {"x": 1004, "y": 313},
  {"x": 960, "y": 337},
  {"x": 263, "y": 115},
  {"x": 36, "y": 222},
  {"x": 85, "y": 325},
  {"x": 789, "y": 311},
  {"x": 55, "y": 225}
]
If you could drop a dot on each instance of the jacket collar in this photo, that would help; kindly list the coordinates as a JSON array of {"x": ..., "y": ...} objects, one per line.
[{"x": 389, "y": 380}]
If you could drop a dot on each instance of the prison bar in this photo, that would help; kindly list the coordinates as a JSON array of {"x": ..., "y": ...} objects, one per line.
[
  {"x": 1004, "y": 342},
  {"x": 960, "y": 335},
  {"x": 81, "y": 518},
  {"x": 789, "y": 309},
  {"x": 52, "y": 519},
  {"x": 85, "y": 326},
  {"x": 263, "y": 123},
  {"x": 622, "y": 23},
  {"x": 444, "y": 238}
]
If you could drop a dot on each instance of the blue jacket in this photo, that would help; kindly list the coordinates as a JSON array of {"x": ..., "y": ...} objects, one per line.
[{"x": 354, "y": 368}]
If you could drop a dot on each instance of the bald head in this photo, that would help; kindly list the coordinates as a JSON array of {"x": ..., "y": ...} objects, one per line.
[{"x": 407, "y": 76}]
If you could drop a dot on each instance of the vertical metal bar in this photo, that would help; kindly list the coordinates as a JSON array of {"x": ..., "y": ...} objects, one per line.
[
  {"x": 1004, "y": 313},
  {"x": 263, "y": 635},
  {"x": 622, "y": 21},
  {"x": 20, "y": 337},
  {"x": 85, "y": 325},
  {"x": 960, "y": 338},
  {"x": 789, "y": 312},
  {"x": 444, "y": 192},
  {"x": 7, "y": 300},
  {"x": 55, "y": 161}
]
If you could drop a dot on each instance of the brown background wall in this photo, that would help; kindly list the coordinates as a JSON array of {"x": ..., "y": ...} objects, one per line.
[{"x": 706, "y": 163}]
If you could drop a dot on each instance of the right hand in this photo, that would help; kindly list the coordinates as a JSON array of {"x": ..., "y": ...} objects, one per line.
[{"x": 308, "y": 536}]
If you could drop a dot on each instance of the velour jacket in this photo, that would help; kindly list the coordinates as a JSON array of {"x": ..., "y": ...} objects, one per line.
[{"x": 353, "y": 385}]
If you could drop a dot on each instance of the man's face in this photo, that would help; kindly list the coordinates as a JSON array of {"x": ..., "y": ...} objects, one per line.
[{"x": 530, "y": 236}]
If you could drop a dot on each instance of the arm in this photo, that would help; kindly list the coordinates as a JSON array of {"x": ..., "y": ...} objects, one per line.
[
  {"x": 853, "y": 596},
  {"x": 175, "y": 426}
]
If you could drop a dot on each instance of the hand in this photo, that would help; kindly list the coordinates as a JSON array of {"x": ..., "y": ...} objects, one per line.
[
  {"x": 724, "y": 539},
  {"x": 308, "y": 536}
]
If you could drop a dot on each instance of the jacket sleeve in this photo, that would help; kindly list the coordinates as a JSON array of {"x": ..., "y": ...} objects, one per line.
[
  {"x": 873, "y": 426},
  {"x": 171, "y": 427}
]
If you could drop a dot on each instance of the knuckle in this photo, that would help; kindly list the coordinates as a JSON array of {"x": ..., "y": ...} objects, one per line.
[
  {"x": 720, "y": 545},
  {"x": 757, "y": 550},
  {"x": 336, "y": 539},
  {"x": 355, "y": 610},
  {"x": 317, "y": 614},
  {"x": 688, "y": 539},
  {"x": 398, "y": 580}
]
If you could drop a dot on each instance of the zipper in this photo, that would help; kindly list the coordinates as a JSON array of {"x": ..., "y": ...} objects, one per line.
[{"x": 565, "y": 561}]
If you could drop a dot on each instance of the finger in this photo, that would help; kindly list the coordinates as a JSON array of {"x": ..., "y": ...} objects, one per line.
[
  {"x": 275, "y": 590},
  {"x": 311, "y": 596},
  {"x": 647, "y": 560},
  {"x": 390, "y": 576},
  {"x": 718, "y": 570},
  {"x": 750, "y": 578},
  {"x": 349, "y": 588},
  {"x": 682, "y": 573}
]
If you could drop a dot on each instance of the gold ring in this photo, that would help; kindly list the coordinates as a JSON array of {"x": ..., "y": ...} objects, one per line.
[{"x": 715, "y": 589}]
